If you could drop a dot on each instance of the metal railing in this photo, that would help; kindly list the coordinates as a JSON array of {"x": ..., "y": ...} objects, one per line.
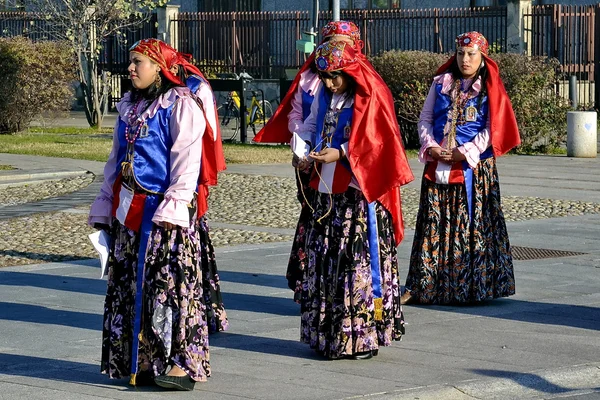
[
  {"x": 570, "y": 34},
  {"x": 263, "y": 43}
]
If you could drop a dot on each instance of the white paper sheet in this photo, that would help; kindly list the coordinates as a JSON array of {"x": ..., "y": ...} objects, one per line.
[
  {"x": 101, "y": 242},
  {"x": 299, "y": 146}
]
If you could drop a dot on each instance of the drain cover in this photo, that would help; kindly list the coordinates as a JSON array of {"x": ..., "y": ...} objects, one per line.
[{"x": 529, "y": 253}]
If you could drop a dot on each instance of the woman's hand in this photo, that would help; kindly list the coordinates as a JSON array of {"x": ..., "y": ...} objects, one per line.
[
  {"x": 300, "y": 163},
  {"x": 327, "y": 155},
  {"x": 446, "y": 156}
]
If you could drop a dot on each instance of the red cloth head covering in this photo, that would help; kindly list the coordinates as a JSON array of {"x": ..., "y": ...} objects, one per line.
[
  {"x": 375, "y": 150},
  {"x": 342, "y": 28},
  {"x": 330, "y": 56},
  {"x": 504, "y": 130},
  {"x": 159, "y": 52},
  {"x": 276, "y": 129},
  {"x": 473, "y": 39}
]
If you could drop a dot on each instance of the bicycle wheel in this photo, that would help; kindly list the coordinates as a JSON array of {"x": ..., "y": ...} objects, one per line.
[
  {"x": 229, "y": 119},
  {"x": 264, "y": 112}
]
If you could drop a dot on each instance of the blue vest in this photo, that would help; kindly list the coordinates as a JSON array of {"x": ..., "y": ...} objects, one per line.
[
  {"x": 342, "y": 129},
  {"x": 307, "y": 100},
  {"x": 152, "y": 148},
  {"x": 464, "y": 132}
]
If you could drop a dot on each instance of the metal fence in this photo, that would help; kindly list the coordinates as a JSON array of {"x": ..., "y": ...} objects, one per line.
[
  {"x": 570, "y": 34},
  {"x": 263, "y": 43},
  {"x": 30, "y": 25}
]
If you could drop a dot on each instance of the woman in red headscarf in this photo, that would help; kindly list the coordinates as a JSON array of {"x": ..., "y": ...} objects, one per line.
[
  {"x": 350, "y": 298},
  {"x": 289, "y": 119},
  {"x": 155, "y": 327},
  {"x": 461, "y": 252}
]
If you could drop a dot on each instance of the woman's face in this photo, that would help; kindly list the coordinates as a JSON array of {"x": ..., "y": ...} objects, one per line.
[
  {"x": 142, "y": 70},
  {"x": 469, "y": 60},
  {"x": 335, "y": 81}
]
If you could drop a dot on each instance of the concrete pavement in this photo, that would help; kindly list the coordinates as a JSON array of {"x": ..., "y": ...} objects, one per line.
[{"x": 543, "y": 342}]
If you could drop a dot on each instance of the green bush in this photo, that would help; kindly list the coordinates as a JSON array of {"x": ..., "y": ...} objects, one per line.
[
  {"x": 529, "y": 81},
  {"x": 36, "y": 79}
]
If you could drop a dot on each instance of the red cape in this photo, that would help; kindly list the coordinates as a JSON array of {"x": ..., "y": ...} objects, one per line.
[
  {"x": 213, "y": 159},
  {"x": 503, "y": 124},
  {"x": 375, "y": 150}
]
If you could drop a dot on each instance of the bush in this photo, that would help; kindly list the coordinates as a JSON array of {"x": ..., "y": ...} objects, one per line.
[
  {"x": 36, "y": 79},
  {"x": 408, "y": 75},
  {"x": 529, "y": 81}
]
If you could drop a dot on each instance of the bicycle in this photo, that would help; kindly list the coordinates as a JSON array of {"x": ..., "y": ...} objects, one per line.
[{"x": 258, "y": 113}]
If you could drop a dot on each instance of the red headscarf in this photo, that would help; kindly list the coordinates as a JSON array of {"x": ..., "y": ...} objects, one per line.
[
  {"x": 276, "y": 130},
  {"x": 159, "y": 52},
  {"x": 375, "y": 151},
  {"x": 504, "y": 131}
]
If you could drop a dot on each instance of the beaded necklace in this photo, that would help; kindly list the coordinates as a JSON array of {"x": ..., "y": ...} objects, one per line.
[
  {"x": 459, "y": 101},
  {"x": 132, "y": 117}
]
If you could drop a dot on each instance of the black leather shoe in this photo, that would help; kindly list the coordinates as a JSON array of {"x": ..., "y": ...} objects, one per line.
[
  {"x": 363, "y": 355},
  {"x": 184, "y": 383}
]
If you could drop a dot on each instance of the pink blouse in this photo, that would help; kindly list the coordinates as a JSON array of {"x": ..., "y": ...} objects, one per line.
[
  {"x": 310, "y": 83},
  {"x": 187, "y": 125}
]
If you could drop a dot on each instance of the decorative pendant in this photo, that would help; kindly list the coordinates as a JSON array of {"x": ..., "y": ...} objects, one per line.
[
  {"x": 144, "y": 130},
  {"x": 471, "y": 114},
  {"x": 347, "y": 130}
]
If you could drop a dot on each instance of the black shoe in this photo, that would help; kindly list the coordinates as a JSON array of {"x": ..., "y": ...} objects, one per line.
[
  {"x": 363, "y": 355},
  {"x": 175, "y": 382},
  {"x": 143, "y": 380}
]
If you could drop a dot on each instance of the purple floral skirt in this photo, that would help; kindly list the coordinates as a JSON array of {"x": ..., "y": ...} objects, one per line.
[
  {"x": 298, "y": 260},
  {"x": 174, "y": 329},
  {"x": 216, "y": 317},
  {"x": 338, "y": 317},
  {"x": 453, "y": 259}
]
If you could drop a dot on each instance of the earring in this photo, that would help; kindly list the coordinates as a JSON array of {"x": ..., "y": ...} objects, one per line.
[{"x": 158, "y": 81}]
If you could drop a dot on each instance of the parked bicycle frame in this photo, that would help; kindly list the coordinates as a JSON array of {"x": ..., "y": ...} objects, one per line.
[{"x": 258, "y": 113}]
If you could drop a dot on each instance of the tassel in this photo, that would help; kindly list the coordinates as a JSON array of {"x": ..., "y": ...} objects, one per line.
[
  {"x": 132, "y": 380},
  {"x": 378, "y": 314}
]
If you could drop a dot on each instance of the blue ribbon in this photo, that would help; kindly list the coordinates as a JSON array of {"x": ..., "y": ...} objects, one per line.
[
  {"x": 150, "y": 206},
  {"x": 468, "y": 174},
  {"x": 373, "y": 235}
]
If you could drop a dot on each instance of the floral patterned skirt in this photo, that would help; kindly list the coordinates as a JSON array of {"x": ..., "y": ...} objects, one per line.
[
  {"x": 174, "y": 330},
  {"x": 453, "y": 259},
  {"x": 216, "y": 317},
  {"x": 338, "y": 317},
  {"x": 298, "y": 260}
]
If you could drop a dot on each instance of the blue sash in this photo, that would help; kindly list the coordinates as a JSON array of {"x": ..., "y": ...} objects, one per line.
[
  {"x": 373, "y": 235},
  {"x": 152, "y": 202}
]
